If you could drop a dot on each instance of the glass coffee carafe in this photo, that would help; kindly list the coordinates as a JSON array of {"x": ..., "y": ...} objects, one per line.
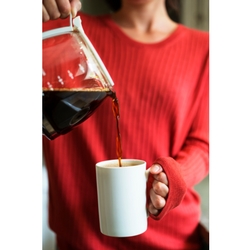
[{"x": 75, "y": 80}]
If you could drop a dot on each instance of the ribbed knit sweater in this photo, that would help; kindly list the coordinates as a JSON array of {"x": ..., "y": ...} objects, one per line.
[{"x": 163, "y": 93}]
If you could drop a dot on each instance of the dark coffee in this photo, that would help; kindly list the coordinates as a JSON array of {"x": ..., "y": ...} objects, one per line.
[{"x": 63, "y": 109}]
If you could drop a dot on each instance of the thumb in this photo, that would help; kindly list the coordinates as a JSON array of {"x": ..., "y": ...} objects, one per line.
[{"x": 76, "y": 5}]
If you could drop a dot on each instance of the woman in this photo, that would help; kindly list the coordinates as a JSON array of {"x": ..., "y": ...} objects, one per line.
[{"x": 160, "y": 70}]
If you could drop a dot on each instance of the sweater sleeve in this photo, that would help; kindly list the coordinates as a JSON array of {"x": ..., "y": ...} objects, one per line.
[
  {"x": 193, "y": 157},
  {"x": 190, "y": 165},
  {"x": 177, "y": 186}
]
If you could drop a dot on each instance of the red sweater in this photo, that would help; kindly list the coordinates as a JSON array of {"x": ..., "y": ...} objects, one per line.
[{"x": 163, "y": 93}]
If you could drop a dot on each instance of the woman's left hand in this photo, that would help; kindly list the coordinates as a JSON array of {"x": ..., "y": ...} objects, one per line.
[{"x": 159, "y": 190}]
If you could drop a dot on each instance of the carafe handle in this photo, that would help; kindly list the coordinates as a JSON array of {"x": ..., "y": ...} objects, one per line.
[{"x": 59, "y": 31}]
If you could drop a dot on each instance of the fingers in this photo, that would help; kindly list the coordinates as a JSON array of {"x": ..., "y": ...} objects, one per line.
[
  {"x": 53, "y": 9},
  {"x": 156, "y": 204},
  {"x": 46, "y": 16},
  {"x": 152, "y": 209},
  {"x": 159, "y": 190},
  {"x": 157, "y": 200},
  {"x": 56, "y": 8},
  {"x": 157, "y": 171},
  {"x": 158, "y": 194}
]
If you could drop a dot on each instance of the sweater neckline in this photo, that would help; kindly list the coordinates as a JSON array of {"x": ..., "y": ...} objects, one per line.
[{"x": 118, "y": 32}]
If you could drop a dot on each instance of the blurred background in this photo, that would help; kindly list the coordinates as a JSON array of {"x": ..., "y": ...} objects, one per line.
[{"x": 194, "y": 14}]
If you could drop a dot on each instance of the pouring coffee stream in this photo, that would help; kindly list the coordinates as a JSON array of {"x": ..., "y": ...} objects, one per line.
[
  {"x": 75, "y": 82},
  {"x": 116, "y": 111}
]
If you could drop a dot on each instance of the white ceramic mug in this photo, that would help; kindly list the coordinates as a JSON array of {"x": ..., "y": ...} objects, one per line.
[{"x": 122, "y": 197}]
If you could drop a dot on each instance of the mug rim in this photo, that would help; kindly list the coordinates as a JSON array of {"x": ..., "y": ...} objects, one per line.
[{"x": 104, "y": 164}]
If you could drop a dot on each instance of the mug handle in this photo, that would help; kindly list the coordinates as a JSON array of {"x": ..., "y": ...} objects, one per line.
[{"x": 147, "y": 175}]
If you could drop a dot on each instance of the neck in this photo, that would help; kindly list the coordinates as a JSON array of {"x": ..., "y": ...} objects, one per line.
[
  {"x": 147, "y": 22},
  {"x": 142, "y": 17}
]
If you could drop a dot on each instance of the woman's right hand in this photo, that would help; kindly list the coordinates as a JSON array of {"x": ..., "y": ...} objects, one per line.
[{"x": 53, "y": 9}]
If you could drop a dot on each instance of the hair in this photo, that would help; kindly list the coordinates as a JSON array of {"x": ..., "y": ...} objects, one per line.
[{"x": 172, "y": 6}]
